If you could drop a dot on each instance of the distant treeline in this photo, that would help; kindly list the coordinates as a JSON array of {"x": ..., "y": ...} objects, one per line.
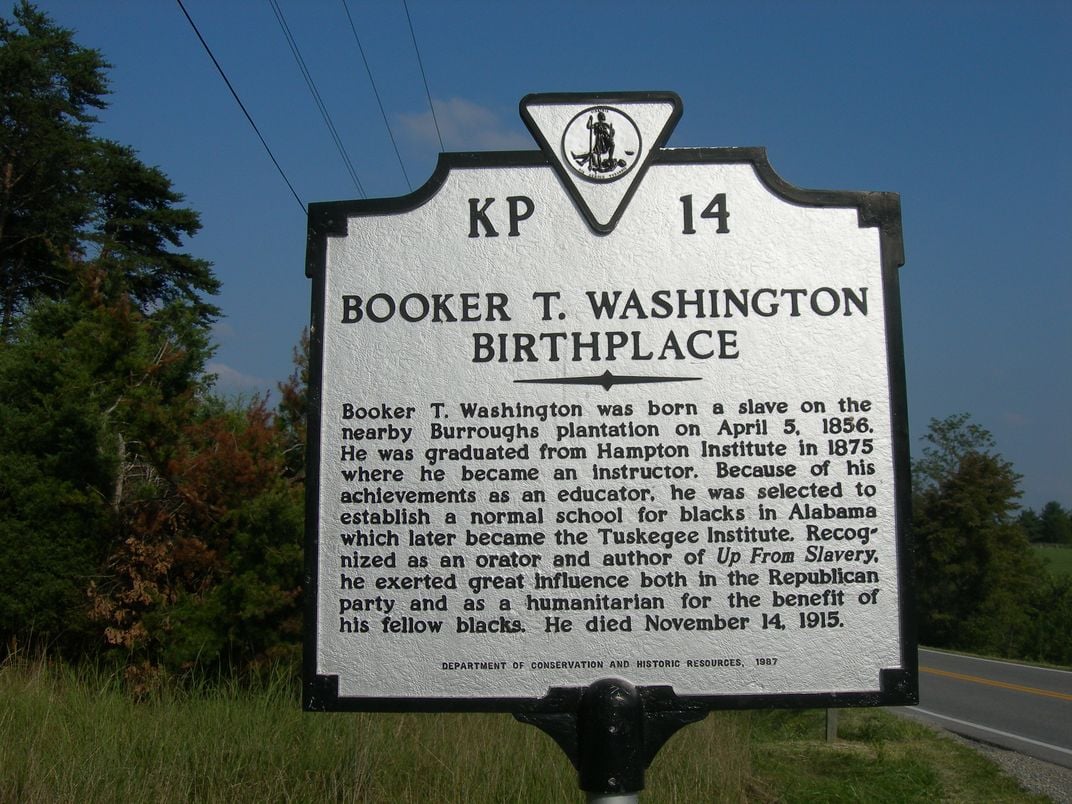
[{"x": 1052, "y": 525}]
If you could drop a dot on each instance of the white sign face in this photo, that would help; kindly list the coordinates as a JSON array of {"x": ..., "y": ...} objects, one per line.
[{"x": 607, "y": 411}]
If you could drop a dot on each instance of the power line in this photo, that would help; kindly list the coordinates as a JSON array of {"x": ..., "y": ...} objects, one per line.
[
  {"x": 423, "y": 76},
  {"x": 241, "y": 105},
  {"x": 376, "y": 92},
  {"x": 316, "y": 96}
]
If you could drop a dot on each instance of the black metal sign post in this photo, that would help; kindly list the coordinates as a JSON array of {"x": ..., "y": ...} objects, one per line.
[
  {"x": 611, "y": 731},
  {"x": 607, "y": 435}
]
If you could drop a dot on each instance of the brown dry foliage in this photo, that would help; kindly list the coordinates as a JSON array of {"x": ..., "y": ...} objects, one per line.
[{"x": 175, "y": 525}]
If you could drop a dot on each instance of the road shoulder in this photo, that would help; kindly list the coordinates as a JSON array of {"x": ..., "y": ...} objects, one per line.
[{"x": 1035, "y": 775}]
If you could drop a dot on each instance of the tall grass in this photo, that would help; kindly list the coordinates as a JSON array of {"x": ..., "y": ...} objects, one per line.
[{"x": 74, "y": 735}]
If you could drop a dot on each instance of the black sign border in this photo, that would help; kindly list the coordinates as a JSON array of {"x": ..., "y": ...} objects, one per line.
[{"x": 897, "y": 686}]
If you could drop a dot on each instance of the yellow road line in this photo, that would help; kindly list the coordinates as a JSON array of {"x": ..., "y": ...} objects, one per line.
[{"x": 991, "y": 683}]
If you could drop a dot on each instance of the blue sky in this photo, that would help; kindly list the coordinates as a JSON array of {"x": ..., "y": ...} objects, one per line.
[{"x": 964, "y": 108}]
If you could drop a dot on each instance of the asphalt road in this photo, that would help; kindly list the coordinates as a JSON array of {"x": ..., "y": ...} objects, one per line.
[{"x": 1027, "y": 709}]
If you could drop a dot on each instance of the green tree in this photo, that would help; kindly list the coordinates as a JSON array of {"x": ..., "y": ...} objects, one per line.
[
  {"x": 1055, "y": 524},
  {"x": 947, "y": 442},
  {"x": 104, "y": 330},
  {"x": 137, "y": 511},
  {"x": 67, "y": 196},
  {"x": 1031, "y": 525},
  {"x": 1048, "y": 636},
  {"x": 92, "y": 400},
  {"x": 57, "y": 470},
  {"x": 135, "y": 230},
  {"x": 974, "y": 570},
  {"x": 1052, "y": 526},
  {"x": 49, "y": 90}
]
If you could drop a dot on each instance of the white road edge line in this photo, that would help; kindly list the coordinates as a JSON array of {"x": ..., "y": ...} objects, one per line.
[
  {"x": 992, "y": 661},
  {"x": 992, "y": 731}
]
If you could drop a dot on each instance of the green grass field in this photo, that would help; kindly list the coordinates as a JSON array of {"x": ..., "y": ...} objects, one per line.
[
  {"x": 75, "y": 736},
  {"x": 1058, "y": 560}
]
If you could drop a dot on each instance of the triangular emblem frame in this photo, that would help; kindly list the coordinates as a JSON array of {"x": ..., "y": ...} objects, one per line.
[{"x": 551, "y": 143}]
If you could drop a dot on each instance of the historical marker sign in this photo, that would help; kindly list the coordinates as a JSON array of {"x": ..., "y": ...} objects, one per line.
[{"x": 601, "y": 410}]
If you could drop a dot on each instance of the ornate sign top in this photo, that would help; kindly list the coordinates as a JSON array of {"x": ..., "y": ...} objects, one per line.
[{"x": 600, "y": 145}]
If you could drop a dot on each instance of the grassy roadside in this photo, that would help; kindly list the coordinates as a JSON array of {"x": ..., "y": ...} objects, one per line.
[{"x": 70, "y": 736}]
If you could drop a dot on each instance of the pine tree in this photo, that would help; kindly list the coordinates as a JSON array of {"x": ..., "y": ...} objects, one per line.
[
  {"x": 67, "y": 196},
  {"x": 50, "y": 89}
]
